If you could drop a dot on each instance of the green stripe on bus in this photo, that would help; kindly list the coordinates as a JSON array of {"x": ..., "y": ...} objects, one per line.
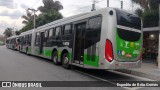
[
  {"x": 29, "y": 50},
  {"x": 59, "y": 54},
  {"x": 47, "y": 53},
  {"x": 90, "y": 61},
  {"x": 70, "y": 56}
]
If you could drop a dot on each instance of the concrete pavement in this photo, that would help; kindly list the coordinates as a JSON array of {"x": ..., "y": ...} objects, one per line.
[
  {"x": 15, "y": 66},
  {"x": 147, "y": 70}
]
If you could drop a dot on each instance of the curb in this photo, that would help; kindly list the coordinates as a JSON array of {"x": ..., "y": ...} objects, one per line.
[{"x": 140, "y": 74}]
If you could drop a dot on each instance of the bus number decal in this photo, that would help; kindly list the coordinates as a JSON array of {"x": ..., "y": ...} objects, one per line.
[{"x": 65, "y": 43}]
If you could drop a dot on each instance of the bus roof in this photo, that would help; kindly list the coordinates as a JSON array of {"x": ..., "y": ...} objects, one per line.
[{"x": 75, "y": 17}]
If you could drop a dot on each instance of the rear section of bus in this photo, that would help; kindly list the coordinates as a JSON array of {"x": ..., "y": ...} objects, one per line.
[{"x": 123, "y": 51}]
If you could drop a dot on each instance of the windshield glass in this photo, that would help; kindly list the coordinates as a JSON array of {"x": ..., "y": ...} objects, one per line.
[{"x": 128, "y": 19}]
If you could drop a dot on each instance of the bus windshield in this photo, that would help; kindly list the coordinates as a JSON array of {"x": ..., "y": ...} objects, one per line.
[{"x": 128, "y": 19}]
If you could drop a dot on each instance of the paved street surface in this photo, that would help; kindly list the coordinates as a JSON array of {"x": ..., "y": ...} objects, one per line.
[{"x": 15, "y": 66}]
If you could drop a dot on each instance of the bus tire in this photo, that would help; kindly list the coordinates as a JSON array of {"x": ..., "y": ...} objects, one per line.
[
  {"x": 55, "y": 58},
  {"x": 65, "y": 61}
]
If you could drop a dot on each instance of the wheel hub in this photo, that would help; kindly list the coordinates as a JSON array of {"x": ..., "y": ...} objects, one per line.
[
  {"x": 65, "y": 60},
  {"x": 55, "y": 59}
]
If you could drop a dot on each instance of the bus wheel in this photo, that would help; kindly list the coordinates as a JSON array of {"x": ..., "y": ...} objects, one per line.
[
  {"x": 65, "y": 61},
  {"x": 55, "y": 58}
]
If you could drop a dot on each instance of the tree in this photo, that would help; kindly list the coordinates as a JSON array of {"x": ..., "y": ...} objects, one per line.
[
  {"x": 50, "y": 5},
  {"x": 150, "y": 18},
  {"x": 143, "y": 3},
  {"x": 17, "y": 32},
  {"x": 49, "y": 13},
  {"x": 147, "y": 4},
  {"x": 28, "y": 21},
  {"x": 139, "y": 12},
  {"x": 154, "y": 4},
  {"x": 48, "y": 17},
  {"x": 8, "y": 32},
  {"x": 148, "y": 12},
  {"x": 27, "y": 18},
  {"x": 27, "y": 27}
]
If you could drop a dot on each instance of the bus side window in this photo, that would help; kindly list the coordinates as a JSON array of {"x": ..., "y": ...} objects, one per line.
[
  {"x": 46, "y": 33},
  {"x": 45, "y": 38},
  {"x": 37, "y": 39},
  {"x": 24, "y": 39},
  {"x": 93, "y": 31},
  {"x": 51, "y": 32},
  {"x": 67, "y": 32},
  {"x": 50, "y": 37},
  {"x": 95, "y": 22},
  {"x": 68, "y": 29},
  {"x": 30, "y": 38},
  {"x": 58, "y": 31}
]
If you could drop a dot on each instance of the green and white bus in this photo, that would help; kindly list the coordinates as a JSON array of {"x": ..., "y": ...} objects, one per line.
[
  {"x": 108, "y": 38},
  {"x": 12, "y": 42}
]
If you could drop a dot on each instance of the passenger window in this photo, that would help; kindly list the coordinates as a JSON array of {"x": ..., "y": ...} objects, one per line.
[
  {"x": 46, "y": 33},
  {"x": 58, "y": 31},
  {"x": 24, "y": 39},
  {"x": 50, "y": 32},
  {"x": 95, "y": 22},
  {"x": 30, "y": 38},
  {"x": 37, "y": 39},
  {"x": 67, "y": 29}
]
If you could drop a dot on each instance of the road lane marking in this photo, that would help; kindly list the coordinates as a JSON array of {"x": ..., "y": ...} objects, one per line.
[
  {"x": 128, "y": 88},
  {"x": 125, "y": 74}
]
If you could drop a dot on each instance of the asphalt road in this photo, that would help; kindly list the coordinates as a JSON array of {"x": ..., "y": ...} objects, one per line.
[{"x": 15, "y": 66}]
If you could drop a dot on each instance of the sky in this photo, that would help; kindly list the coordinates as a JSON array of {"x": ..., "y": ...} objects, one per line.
[{"x": 11, "y": 11}]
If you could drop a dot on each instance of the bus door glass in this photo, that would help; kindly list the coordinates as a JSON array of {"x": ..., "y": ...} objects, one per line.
[
  {"x": 41, "y": 42},
  {"x": 79, "y": 42}
]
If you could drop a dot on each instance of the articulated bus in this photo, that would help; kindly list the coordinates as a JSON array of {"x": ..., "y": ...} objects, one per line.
[
  {"x": 12, "y": 42},
  {"x": 108, "y": 38},
  {"x": 25, "y": 41}
]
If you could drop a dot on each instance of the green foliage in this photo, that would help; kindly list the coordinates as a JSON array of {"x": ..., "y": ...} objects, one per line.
[
  {"x": 8, "y": 32},
  {"x": 29, "y": 26},
  {"x": 47, "y": 17},
  {"x": 27, "y": 18},
  {"x": 154, "y": 4},
  {"x": 50, "y": 5},
  {"x": 150, "y": 18},
  {"x": 28, "y": 21},
  {"x": 49, "y": 12},
  {"x": 142, "y": 3},
  {"x": 147, "y": 4},
  {"x": 149, "y": 12},
  {"x": 17, "y": 32},
  {"x": 139, "y": 12}
]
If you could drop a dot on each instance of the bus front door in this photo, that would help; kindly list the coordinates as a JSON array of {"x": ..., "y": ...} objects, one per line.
[
  {"x": 41, "y": 43},
  {"x": 78, "y": 50}
]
